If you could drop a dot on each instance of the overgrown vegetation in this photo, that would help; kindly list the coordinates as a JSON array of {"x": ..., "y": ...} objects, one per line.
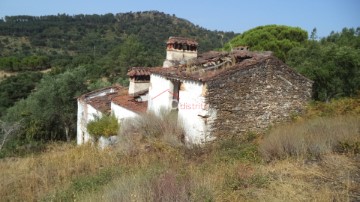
[
  {"x": 325, "y": 128},
  {"x": 313, "y": 139},
  {"x": 146, "y": 166}
]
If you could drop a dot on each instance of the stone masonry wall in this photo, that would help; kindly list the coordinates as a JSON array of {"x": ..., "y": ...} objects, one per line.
[{"x": 257, "y": 96}]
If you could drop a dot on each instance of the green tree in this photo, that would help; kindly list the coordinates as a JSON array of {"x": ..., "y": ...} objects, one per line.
[
  {"x": 277, "y": 38},
  {"x": 50, "y": 112},
  {"x": 131, "y": 53},
  {"x": 17, "y": 87},
  {"x": 332, "y": 65}
]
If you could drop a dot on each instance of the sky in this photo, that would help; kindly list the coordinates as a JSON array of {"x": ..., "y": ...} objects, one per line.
[{"x": 225, "y": 15}]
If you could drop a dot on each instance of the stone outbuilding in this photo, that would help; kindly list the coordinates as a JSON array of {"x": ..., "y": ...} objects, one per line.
[{"x": 226, "y": 93}]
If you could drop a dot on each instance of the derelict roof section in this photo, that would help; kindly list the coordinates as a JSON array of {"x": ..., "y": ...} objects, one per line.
[
  {"x": 119, "y": 96},
  {"x": 243, "y": 59},
  {"x": 102, "y": 103},
  {"x": 126, "y": 101}
]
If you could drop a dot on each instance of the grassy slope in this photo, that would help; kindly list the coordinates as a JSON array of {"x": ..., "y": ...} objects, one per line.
[{"x": 227, "y": 170}]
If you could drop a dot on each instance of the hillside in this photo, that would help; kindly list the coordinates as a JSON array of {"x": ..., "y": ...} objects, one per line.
[
  {"x": 105, "y": 45},
  {"x": 64, "y": 39}
]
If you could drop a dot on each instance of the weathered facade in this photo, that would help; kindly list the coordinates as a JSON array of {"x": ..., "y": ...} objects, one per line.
[{"x": 222, "y": 93}]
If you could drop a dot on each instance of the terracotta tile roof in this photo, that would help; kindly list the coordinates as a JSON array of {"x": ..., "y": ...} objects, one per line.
[
  {"x": 124, "y": 100},
  {"x": 182, "y": 40},
  {"x": 211, "y": 64},
  {"x": 102, "y": 103},
  {"x": 119, "y": 96},
  {"x": 138, "y": 71}
]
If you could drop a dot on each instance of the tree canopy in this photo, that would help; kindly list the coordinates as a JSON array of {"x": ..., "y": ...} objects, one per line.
[
  {"x": 333, "y": 63},
  {"x": 50, "y": 112},
  {"x": 277, "y": 38}
]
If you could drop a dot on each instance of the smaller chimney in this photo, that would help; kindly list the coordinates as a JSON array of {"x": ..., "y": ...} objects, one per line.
[{"x": 139, "y": 80}]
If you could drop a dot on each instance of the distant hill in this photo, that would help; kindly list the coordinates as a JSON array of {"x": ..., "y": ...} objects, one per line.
[
  {"x": 105, "y": 46},
  {"x": 61, "y": 39}
]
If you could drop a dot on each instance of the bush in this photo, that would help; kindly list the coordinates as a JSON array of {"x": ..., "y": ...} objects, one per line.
[
  {"x": 105, "y": 126},
  {"x": 312, "y": 138}
]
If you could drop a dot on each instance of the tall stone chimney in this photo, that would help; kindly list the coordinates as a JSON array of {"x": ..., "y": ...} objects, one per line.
[{"x": 179, "y": 49}]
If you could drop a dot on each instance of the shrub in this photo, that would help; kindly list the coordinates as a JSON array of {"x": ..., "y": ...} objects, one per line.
[
  {"x": 105, "y": 126},
  {"x": 154, "y": 129}
]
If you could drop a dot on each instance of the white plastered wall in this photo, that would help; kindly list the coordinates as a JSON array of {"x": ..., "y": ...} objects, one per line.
[
  {"x": 122, "y": 113},
  {"x": 193, "y": 113},
  {"x": 86, "y": 113},
  {"x": 160, "y": 94}
]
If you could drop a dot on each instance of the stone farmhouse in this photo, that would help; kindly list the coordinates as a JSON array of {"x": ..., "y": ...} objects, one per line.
[{"x": 213, "y": 94}]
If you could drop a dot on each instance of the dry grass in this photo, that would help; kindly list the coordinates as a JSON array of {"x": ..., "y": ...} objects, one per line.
[
  {"x": 165, "y": 173},
  {"x": 313, "y": 138},
  {"x": 31, "y": 178},
  {"x": 152, "y": 164},
  {"x": 335, "y": 178}
]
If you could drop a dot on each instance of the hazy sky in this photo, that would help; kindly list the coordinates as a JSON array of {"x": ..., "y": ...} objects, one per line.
[{"x": 225, "y": 15}]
